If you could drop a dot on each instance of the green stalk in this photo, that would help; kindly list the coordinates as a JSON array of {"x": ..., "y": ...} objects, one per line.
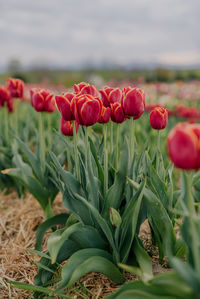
[
  {"x": 69, "y": 164},
  {"x": 48, "y": 212},
  {"x": 105, "y": 159},
  {"x": 76, "y": 152},
  {"x": 86, "y": 146},
  {"x": 111, "y": 138},
  {"x": 16, "y": 117},
  {"x": 132, "y": 138},
  {"x": 6, "y": 125},
  {"x": 41, "y": 141},
  {"x": 117, "y": 147},
  {"x": 193, "y": 229},
  {"x": 157, "y": 152},
  {"x": 49, "y": 129},
  {"x": 158, "y": 141}
]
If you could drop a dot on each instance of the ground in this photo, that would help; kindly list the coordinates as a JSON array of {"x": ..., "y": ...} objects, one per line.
[{"x": 19, "y": 219}]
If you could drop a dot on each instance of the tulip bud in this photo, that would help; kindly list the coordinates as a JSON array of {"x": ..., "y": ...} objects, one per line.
[
  {"x": 66, "y": 127},
  {"x": 64, "y": 105},
  {"x": 115, "y": 217},
  {"x": 110, "y": 96},
  {"x": 84, "y": 88},
  {"x": 117, "y": 113},
  {"x": 133, "y": 102},
  {"x": 42, "y": 100},
  {"x": 105, "y": 115},
  {"x": 16, "y": 87},
  {"x": 183, "y": 145},
  {"x": 159, "y": 118},
  {"x": 87, "y": 109}
]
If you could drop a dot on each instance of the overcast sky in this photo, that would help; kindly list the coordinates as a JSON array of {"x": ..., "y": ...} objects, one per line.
[{"x": 66, "y": 32}]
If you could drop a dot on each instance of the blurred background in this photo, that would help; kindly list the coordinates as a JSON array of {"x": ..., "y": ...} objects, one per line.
[{"x": 67, "y": 41}]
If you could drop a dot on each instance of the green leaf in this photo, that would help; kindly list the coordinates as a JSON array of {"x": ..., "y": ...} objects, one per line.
[
  {"x": 49, "y": 223},
  {"x": 102, "y": 223},
  {"x": 129, "y": 223},
  {"x": 186, "y": 273},
  {"x": 115, "y": 193},
  {"x": 57, "y": 239},
  {"x": 30, "y": 287},
  {"x": 34, "y": 162},
  {"x": 99, "y": 167},
  {"x": 92, "y": 184},
  {"x": 89, "y": 260},
  {"x": 76, "y": 206},
  {"x": 159, "y": 216},
  {"x": 160, "y": 187}
]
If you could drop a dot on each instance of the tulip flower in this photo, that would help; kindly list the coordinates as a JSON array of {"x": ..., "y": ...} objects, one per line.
[
  {"x": 159, "y": 118},
  {"x": 84, "y": 88},
  {"x": 184, "y": 146},
  {"x": 87, "y": 109},
  {"x": 117, "y": 113},
  {"x": 133, "y": 102},
  {"x": 5, "y": 98},
  {"x": 105, "y": 115},
  {"x": 16, "y": 87},
  {"x": 64, "y": 105},
  {"x": 110, "y": 96},
  {"x": 66, "y": 127},
  {"x": 42, "y": 100}
]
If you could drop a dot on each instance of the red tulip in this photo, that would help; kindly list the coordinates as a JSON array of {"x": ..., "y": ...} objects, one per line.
[
  {"x": 66, "y": 127},
  {"x": 105, "y": 115},
  {"x": 87, "y": 109},
  {"x": 110, "y": 95},
  {"x": 16, "y": 87},
  {"x": 64, "y": 105},
  {"x": 42, "y": 100},
  {"x": 184, "y": 146},
  {"x": 133, "y": 102},
  {"x": 5, "y": 98},
  {"x": 117, "y": 113},
  {"x": 84, "y": 88},
  {"x": 159, "y": 118}
]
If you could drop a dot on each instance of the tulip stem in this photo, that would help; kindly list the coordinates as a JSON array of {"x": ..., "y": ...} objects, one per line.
[
  {"x": 16, "y": 117},
  {"x": 76, "y": 152},
  {"x": 193, "y": 228},
  {"x": 49, "y": 129},
  {"x": 41, "y": 141},
  {"x": 6, "y": 125},
  {"x": 105, "y": 159},
  {"x": 117, "y": 147},
  {"x": 158, "y": 141},
  {"x": 111, "y": 138},
  {"x": 132, "y": 139},
  {"x": 86, "y": 146}
]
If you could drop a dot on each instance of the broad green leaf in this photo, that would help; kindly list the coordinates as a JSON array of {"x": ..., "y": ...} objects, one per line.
[
  {"x": 97, "y": 264},
  {"x": 160, "y": 217},
  {"x": 60, "y": 219},
  {"x": 57, "y": 239},
  {"x": 75, "y": 267},
  {"x": 102, "y": 223}
]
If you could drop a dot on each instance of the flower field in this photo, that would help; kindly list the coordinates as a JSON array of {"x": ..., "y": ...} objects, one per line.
[{"x": 100, "y": 190}]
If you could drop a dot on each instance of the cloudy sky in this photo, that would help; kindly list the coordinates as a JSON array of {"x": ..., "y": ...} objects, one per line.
[{"x": 72, "y": 32}]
